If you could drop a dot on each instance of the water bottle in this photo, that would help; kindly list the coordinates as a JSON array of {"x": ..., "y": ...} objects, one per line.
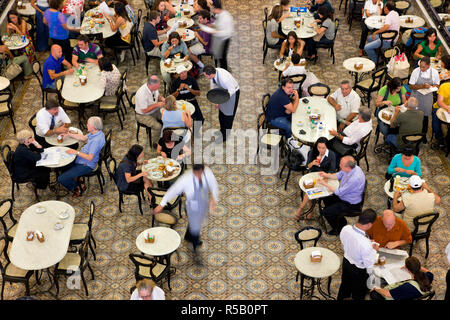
[
  {"x": 321, "y": 127},
  {"x": 308, "y": 111}
]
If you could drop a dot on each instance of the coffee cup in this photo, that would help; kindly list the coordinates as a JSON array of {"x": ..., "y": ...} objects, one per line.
[
  {"x": 83, "y": 80},
  {"x": 60, "y": 138}
]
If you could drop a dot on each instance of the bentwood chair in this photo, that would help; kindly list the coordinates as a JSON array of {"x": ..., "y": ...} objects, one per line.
[
  {"x": 362, "y": 153},
  {"x": 422, "y": 229},
  {"x": 290, "y": 163},
  {"x": 414, "y": 140},
  {"x": 6, "y": 108},
  {"x": 402, "y": 6},
  {"x": 265, "y": 135},
  {"x": 319, "y": 89},
  {"x": 78, "y": 259},
  {"x": 9, "y": 223},
  {"x": 10, "y": 273},
  {"x": 329, "y": 46},
  {"x": 372, "y": 84},
  {"x": 8, "y": 156},
  {"x": 154, "y": 268},
  {"x": 385, "y": 36},
  {"x": 113, "y": 104},
  {"x": 81, "y": 230},
  {"x": 131, "y": 46},
  {"x": 267, "y": 46},
  {"x": 298, "y": 79},
  {"x": 163, "y": 217},
  {"x": 111, "y": 167},
  {"x": 139, "y": 124},
  {"x": 355, "y": 12}
]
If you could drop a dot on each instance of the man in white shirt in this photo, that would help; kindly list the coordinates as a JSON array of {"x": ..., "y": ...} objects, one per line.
[
  {"x": 146, "y": 289},
  {"x": 294, "y": 68},
  {"x": 353, "y": 133},
  {"x": 371, "y": 8},
  {"x": 360, "y": 254},
  {"x": 424, "y": 77},
  {"x": 346, "y": 102},
  {"x": 148, "y": 104},
  {"x": 221, "y": 78},
  {"x": 51, "y": 120},
  {"x": 195, "y": 184},
  {"x": 222, "y": 33},
  {"x": 392, "y": 22}
]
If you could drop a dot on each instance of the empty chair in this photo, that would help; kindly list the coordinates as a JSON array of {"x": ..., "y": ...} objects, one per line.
[
  {"x": 152, "y": 268},
  {"x": 6, "y": 109},
  {"x": 81, "y": 230},
  {"x": 422, "y": 229},
  {"x": 319, "y": 89}
]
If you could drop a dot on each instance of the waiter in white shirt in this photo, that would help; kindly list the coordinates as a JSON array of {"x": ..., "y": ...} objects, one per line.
[
  {"x": 360, "y": 254},
  {"x": 424, "y": 77},
  {"x": 346, "y": 102},
  {"x": 221, "y": 33},
  {"x": 49, "y": 121},
  {"x": 221, "y": 78},
  {"x": 196, "y": 185}
]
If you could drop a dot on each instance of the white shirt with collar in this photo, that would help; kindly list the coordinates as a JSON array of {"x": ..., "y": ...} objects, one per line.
[
  {"x": 44, "y": 120},
  {"x": 356, "y": 131},
  {"x": 358, "y": 249},
  {"x": 157, "y": 294},
  {"x": 144, "y": 98},
  {"x": 225, "y": 80},
  {"x": 185, "y": 184},
  {"x": 349, "y": 103},
  {"x": 224, "y": 25},
  {"x": 430, "y": 73}
]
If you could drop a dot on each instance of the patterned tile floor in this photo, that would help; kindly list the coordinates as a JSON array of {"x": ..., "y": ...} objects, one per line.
[{"x": 249, "y": 246}]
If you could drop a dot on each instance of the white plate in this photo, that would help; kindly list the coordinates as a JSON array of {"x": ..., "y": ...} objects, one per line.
[
  {"x": 58, "y": 226},
  {"x": 40, "y": 210},
  {"x": 156, "y": 175},
  {"x": 64, "y": 215},
  {"x": 176, "y": 60}
]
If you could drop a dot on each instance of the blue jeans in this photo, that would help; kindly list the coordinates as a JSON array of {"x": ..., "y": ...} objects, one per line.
[
  {"x": 384, "y": 128},
  {"x": 41, "y": 32},
  {"x": 392, "y": 139},
  {"x": 284, "y": 124},
  {"x": 436, "y": 124},
  {"x": 373, "y": 45},
  {"x": 67, "y": 178},
  {"x": 51, "y": 85}
]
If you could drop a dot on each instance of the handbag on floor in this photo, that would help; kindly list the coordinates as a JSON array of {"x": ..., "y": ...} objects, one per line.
[
  {"x": 398, "y": 66},
  {"x": 11, "y": 71}
]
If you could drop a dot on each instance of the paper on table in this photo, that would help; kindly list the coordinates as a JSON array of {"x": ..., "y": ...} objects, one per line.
[
  {"x": 395, "y": 275},
  {"x": 427, "y": 91},
  {"x": 396, "y": 252},
  {"x": 173, "y": 28},
  {"x": 317, "y": 192},
  {"x": 103, "y": 7},
  {"x": 48, "y": 159}
]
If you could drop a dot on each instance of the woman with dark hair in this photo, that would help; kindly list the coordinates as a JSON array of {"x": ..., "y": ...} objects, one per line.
[
  {"x": 58, "y": 28},
  {"x": 120, "y": 21},
  {"x": 404, "y": 164},
  {"x": 292, "y": 44},
  {"x": 273, "y": 25},
  {"x": 430, "y": 47},
  {"x": 417, "y": 286},
  {"x": 170, "y": 142},
  {"x": 444, "y": 75},
  {"x": 392, "y": 94},
  {"x": 129, "y": 10},
  {"x": 320, "y": 158},
  {"x": 128, "y": 178},
  {"x": 166, "y": 11},
  {"x": 18, "y": 26},
  {"x": 325, "y": 32},
  {"x": 169, "y": 49},
  {"x": 110, "y": 76}
]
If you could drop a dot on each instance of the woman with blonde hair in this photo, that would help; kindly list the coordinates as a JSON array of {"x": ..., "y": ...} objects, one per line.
[
  {"x": 146, "y": 289},
  {"x": 172, "y": 117},
  {"x": 27, "y": 153}
]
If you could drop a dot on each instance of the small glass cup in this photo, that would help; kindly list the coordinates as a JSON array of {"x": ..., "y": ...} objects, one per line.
[{"x": 382, "y": 260}]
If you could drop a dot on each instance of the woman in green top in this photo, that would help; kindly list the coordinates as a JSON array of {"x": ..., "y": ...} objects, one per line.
[
  {"x": 431, "y": 47},
  {"x": 392, "y": 94}
]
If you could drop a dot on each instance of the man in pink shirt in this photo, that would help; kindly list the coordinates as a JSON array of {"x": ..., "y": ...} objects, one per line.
[{"x": 392, "y": 22}]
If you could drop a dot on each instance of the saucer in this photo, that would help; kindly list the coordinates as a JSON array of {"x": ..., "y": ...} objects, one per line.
[
  {"x": 40, "y": 210},
  {"x": 58, "y": 226}
]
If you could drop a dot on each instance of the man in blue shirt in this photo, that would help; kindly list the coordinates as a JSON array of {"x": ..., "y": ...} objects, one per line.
[
  {"x": 281, "y": 105},
  {"x": 150, "y": 40},
  {"x": 52, "y": 67},
  {"x": 347, "y": 197},
  {"x": 317, "y": 5},
  {"x": 87, "y": 158}
]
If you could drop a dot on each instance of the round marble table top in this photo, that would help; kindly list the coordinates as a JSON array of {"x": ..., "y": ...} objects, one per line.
[
  {"x": 166, "y": 241},
  {"x": 327, "y": 267}
]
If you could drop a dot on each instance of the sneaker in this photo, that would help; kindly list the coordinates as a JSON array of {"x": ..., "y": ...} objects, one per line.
[{"x": 122, "y": 56}]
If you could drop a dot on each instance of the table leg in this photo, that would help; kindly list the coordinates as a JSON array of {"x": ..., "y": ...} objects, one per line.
[{"x": 323, "y": 293}]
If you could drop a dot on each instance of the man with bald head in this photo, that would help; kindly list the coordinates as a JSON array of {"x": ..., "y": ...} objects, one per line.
[
  {"x": 347, "y": 198},
  {"x": 148, "y": 104},
  {"x": 52, "y": 67},
  {"x": 389, "y": 231}
]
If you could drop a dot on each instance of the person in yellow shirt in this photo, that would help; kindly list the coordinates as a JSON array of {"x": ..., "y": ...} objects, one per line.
[{"x": 443, "y": 101}]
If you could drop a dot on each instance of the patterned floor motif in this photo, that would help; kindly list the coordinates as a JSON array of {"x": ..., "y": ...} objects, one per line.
[{"x": 249, "y": 247}]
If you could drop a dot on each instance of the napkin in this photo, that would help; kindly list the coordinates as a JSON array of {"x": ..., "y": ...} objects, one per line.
[
  {"x": 316, "y": 253},
  {"x": 103, "y": 8}
]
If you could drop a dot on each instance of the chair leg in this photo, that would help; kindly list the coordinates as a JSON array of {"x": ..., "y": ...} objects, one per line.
[
  {"x": 55, "y": 279},
  {"x": 12, "y": 122},
  {"x": 92, "y": 272},
  {"x": 140, "y": 203},
  {"x": 287, "y": 179},
  {"x": 427, "y": 247},
  {"x": 153, "y": 220},
  {"x": 100, "y": 181},
  {"x": 92, "y": 250},
  {"x": 264, "y": 54},
  {"x": 411, "y": 248},
  {"x": 137, "y": 132},
  {"x": 3, "y": 288},
  {"x": 12, "y": 191},
  {"x": 84, "y": 283},
  {"x": 27, "y": 288},
  {"x": 367, "y": 162},
  {"x": 147, "y": 60},
  {"x": 120, "y": 202},
  {"x": 282, "y": 169},
  {"x": 179, "y": 208},
  {"x": 302, "y": 280}
]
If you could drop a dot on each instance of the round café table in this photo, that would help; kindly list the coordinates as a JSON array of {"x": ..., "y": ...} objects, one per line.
[
  {"x": 156, "y": 175},
  {"x": 68, "y": 141},
  {"x": 36, "y": 255},
  {"x": 367, "y": 65},
  {"x": 189, "y": 22},
  {"x": 186, "y": 34},
  {"x": 104, "y": 28},
  {"x": 446, "y": 18},
  {"x": 305, "y": 31},
  {"x": 189, "y": 106},
  {"x": 64, "y": 159},
  {"x": 28, "y": 11},
  {"x": 183, "y": 8},
  {"x": 314, "y": 176},
  {"x": 416, "y": 23},
  {"x": 15, "y": 42},
  {"x": 166, "y": 242},
  {"x": 301, "y": 121},
  {"x": 174, "y": 64},
  {"x": 316, "y": 271},
  {"x": 74, "y": 92},
  {"x": 4, "y": 83},
  {"x": 375, "y": 22},
  {"x": 403, "y": 183}
]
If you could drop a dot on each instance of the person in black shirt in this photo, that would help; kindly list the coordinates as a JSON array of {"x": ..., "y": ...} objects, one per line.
[
  {"x": 186, "y": 88},
  {"x": 128, "y": 178},
  {"x": 172, "y": 146},
  {"x": 27, "y": 153},
  {"x": 320, "y": 158}
]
